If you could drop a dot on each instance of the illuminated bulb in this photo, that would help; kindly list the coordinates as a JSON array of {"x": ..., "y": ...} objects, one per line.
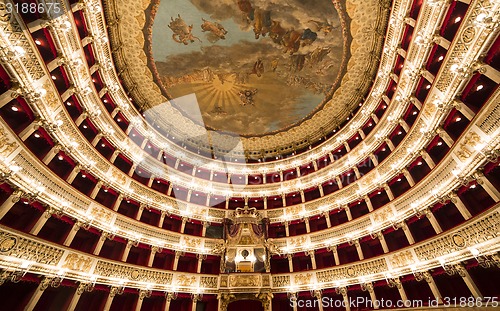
[
  {"x": 481, "y": 17},
  {"x": 428, "y": 87},
  {"x": 415, "y": 113},
  {"x": 38, "y": 42},
  {"x": 441, "y": 58},
  {"x": 14, "y": 108},
  {"x": 19, "y": 50},
  {"x": 54, "y": 77},
  {"x": 439, "y": 143},
  {"x": 479, "y": 87},
  {"x": 85, "y": 126},
  {"x": 37, "y": 135},
  {"x": 458, "y": 119},
  {"x": 458, "y": 19},
  {"x": 68, "y": 103},
  {"x": 60, "y": 158}
]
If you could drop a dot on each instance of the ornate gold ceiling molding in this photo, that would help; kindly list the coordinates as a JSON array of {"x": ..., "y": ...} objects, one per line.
[{"x": 132, "y": 61}]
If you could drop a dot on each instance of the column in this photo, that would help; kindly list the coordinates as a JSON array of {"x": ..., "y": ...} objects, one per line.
[
  {"x": 427, "y": 158},
  {"x": 139, "y": 212},
  {"x": 339, "y": 182},
  {"x": 358, "y": 249},
  {"x": 96, "y": 139},
  {"x": 96, "y": 189},
  {"x": 183, "y": 225},
  {"x": 114, "y": 156},
  {"x": 82, "y": 287},
  {"x": 407, "y": 232},
  {"x": 293, "y": 297},
  {"x": 205, "y": 224},
  {"x": 317, "y": 295},
  {"x": 368, "y": 203},
  {"x": 143, "y": 293},
  {"x": 162, "y": 219},
  {"x": 51, "y": 154},
  {"x": 381, "y": 238},
  {"x": 369, "y": 287},
  {"x": 126, "y": 251},
  {"x": 308, "y": 227},
  {"x": 154, "y": 250},
  {"x": 112, "y": 292},
  {"x": 41, "y": 221},
  {"x": 30, "y": 129},
  {"x": 468, "y": 281},
  {"x": 176, "y": 259},
  {"x": 487, "y": 186},
  {"x": 361, "y": 133},
  {"x": 117, "y": 203},
  {"x": 374, "y": 159},
  {"x": 347, "y": 147},
  {"x": 326, "y": 214},
  {"x": 397, "y": 283},
  {"x": 313, "y": 259},
  {"x": 333, "y": 249},
  {"x": 7, "y": 205},
  {"x": 409, "y": 178},
  {"x": 389, "y": 192},
  {"x": 445, "y": 137},
  {"x": 466, "y": 111},
  {"x": 44, "y": 284},
  {"x": 100, "y": 243},
  {"x": 356, "y": 172},
  {"x": 435, "y": 291},
  {"x": 389, "y": 144},
  {"x": 287, "y": 228},
  {"x": 404, "y": 125},
  {"x": 321, "y": 191},
  {"x": 348, "y": 212},
  {"x": 200, "y": 258},
  {"x": 73, "y": 174},
  {"x": 168, "y": 298},
  {"x": 8, "y": 96},
  {"x": 433, "y": 221},
  {"x": 455, "y": 199},
  {"x": 72, "y": 233},
  {"x": 80, "y": 119},
  {"x": 132, "y": 170},
  {"x": 290, "y": 262},
  {"x": 343, "y": 292}
]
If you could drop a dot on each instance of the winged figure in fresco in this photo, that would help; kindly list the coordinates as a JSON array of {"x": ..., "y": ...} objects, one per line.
[
  {"x": 182, "y": 32},
  {"x": 216, "y": 30}
]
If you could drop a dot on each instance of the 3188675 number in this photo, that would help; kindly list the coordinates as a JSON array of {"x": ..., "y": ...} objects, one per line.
[{"x": 32, "y": 8}]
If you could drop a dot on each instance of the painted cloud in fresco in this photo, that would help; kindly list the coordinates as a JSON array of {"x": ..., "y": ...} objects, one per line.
[{"x": 261, "y": 66}]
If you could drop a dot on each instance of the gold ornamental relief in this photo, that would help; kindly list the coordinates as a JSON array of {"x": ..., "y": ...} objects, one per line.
[
  {"x": 77, "y": 262},
  {"x": 187, "y": 281},
  {"x": 303, "y": 279},
  {"x": 382, "y": 216},
  {"x": 244, "y": 281},
  {"x": 192, "y": 242},
  {"x": 402, "y": 259},
  {"x": 298, "y": 241},
  {"x": 468, "y": 147},
  {"x": 101, "y": 214}
]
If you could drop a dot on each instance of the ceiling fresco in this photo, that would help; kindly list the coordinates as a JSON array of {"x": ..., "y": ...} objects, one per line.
[{"x": 248, "y": 67}]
